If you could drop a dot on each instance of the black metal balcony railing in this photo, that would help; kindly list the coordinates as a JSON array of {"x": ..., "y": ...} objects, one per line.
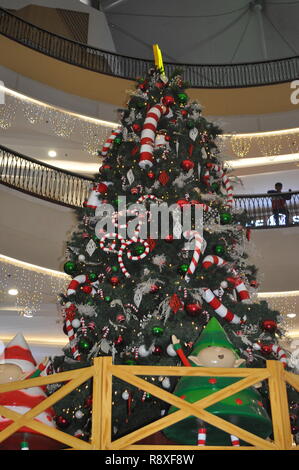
[
  {"x": 41, "y": 180},
  {"x": 101, "y": 61},
  {"x": 70, "y": 189}
]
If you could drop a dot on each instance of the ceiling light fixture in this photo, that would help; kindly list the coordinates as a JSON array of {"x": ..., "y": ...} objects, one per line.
[
  {"x": 52, "y": 153},
  {"x": 291, "y": 315},
  {"x": 13, "y": 291}
]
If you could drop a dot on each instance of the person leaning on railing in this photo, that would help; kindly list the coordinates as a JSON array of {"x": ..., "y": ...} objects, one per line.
[{"x": 279, "y": 205}]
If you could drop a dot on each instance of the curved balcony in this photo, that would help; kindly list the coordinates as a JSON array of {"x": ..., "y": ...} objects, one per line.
[
  {"x": 70, "y": 189},
  {"x": 104, "y": 62}
]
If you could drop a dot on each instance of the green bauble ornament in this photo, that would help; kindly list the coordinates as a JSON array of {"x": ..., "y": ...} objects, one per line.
[
  {"x": 70, "y": 267},
  {"x": 139, "y": 250},
  {"x": 114, "y": 269},
  {"x": 183, "y": 98},
  {"x": 84, "y": 345},
  {"x": 157, "y": 330},
  {"x": 93, "y": 276},
  {"x": 183, "y": 268},
  {"x": 90, "y": 302},
  {"x": 118, "y": 140},
  {"x": 190, "y": 124},
  {"x": 225, "y": 218},
  {"x": 107, "y": 299},
  {"x": 219, "y": 249}
]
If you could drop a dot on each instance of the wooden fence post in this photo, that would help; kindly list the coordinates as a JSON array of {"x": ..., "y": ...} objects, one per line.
[
  {"x": 101, "y": 404},
  {"x": 279, "y": 406}
]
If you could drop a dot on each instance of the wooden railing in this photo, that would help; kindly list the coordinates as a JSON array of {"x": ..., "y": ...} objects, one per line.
[{"x": 102, "y": 373}]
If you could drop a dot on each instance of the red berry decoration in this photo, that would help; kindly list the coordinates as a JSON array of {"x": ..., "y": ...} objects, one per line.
[
  {"x": 136, "y": 127},
  {"x": 169, "y": 238},
  {"x": 118, "y": 340},
  {"x": 168, "y": 138},
  {"x": 184, "y": 112},
  {"x": 187, "y": 165},
  {"x": 266, "y": 349},
  {"x": 168, "y": 100},
  {"x": 114, "y": 280},
  {"x": 151, "y": 175},
  {"x": 193, "y": 309},
  {"x": 157, "y": 351},
  {"x": 254, "y": 284},
  {"x": 134, "y": 191},
  {"x": 154, "y": 288},
  {"x": 182, "y": 202},
  {"x": 87, "y": 289},
  {"x": 62, "y": 422},
  {"x": 102, "y": 188},
  {"x": 120, "y": 318},
  {"x": 269, "y": 325}
]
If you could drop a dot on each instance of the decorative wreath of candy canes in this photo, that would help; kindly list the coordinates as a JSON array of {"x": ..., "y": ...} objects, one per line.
[
  {"x": 77, "y": 281},
  {"x": 276, "y": 350},
  {"x": 148, "y": 134},
  {"x": 225, "y": 180},
  {"x": 107, "y": 145}
]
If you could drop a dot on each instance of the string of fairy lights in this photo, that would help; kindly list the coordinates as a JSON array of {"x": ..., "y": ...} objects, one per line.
[{"x": 92, "y": 132}]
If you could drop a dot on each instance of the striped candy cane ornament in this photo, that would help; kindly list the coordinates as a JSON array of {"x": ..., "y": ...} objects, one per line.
[
  {"x": 275, "y": 349},
  {"x": 107, "y": 145},
  {"x": 148, "y": 135},
  {"x": 72, "y": 339},
  {"x": 189, "y": 235},
  {"x": 225, "y": 180},
  {"x": 219, "y": 308},
  {"x": 77, "y": 281},
  {"x": 201, "y": 436},
  {"x": 211, "y": 260},
  {"x": 241, "y": 289}
]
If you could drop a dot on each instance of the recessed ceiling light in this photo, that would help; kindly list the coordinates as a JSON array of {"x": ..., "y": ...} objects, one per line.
[
  {"x": 291, "y": 315},
  {"x": 52, "y": 153},
  {"x": 13, "y": 291}
]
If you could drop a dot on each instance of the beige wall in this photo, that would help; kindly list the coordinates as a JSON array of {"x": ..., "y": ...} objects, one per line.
[{"x": 34, "y": 230}]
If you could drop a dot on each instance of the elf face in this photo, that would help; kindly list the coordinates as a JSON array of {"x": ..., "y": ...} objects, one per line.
[
  {"x": 10, "y": 373},
  {"x": 214, "y": 356}
]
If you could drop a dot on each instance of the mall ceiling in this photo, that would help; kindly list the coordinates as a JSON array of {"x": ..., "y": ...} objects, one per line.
[{"x": 206, "y": 32}]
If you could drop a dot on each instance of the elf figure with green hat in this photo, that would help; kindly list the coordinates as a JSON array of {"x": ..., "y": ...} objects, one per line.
[{"x": 244, "y": 409}]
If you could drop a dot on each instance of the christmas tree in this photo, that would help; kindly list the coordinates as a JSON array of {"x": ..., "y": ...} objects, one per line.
[{"x": 136, "y": 283}]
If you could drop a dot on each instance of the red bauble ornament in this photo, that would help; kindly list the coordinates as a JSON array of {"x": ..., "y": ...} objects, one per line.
[
  {"x": 184, "y": 112},
  {"x": 120, "y": 317},
  {"x": 85, "y": 235},
  {"x": 118, "y": 340},
  {"x": 163, "y": 178},
  {"x": 254, "y": 284},
  {"x": 157, "y": 351},
  {"x": 62, "y": 422},
  {"x": 136, "y": 127},
  {"x": 114, "y": 280},
  {"x": 102, "y": 188},
  {"x": 154, "y": 288},
  {"x": 134, "y": 191},
  {"x": 266, "y": 349},
  {"x": 168, "y": 100},
  {"x": 87, "y": 289},
  {"x": 151, "y": 175},
  {"x": 168, "y": 138},
  {"x": 193, "y": 309},
  {"x": 269, "y": 325},
  {"x": 187, "y": 165},
  {"x": 105, "y": 167},
  {"x": 169, "y": 238},
  {"x": 88, "y": 402}
]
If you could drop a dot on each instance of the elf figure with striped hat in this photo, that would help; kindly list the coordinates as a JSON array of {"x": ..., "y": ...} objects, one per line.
[
  {"x": 244, "y": 409},
  {"x": 17, "y": 363}
]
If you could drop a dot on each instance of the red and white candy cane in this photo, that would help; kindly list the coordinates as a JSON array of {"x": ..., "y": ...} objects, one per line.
[
  {"x": 141, "y": 199},
  {"x": 72, "y": 339},
  {"x": 148, "y": 135},
  {"x": 107, "y": 145},
  {"x": 219, "y": 308},
  {"x": 77, "y": 281},
  {"x": 189, "y": 235},
  {"x": 275, "y": 349},
  {"x": 210, "y": 260},
  {"x": 240, "y": 287},
  {"x": 133, "y": 307},
  {"x": 225, "y": 180}
]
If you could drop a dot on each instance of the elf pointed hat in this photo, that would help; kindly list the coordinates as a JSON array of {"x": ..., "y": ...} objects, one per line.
[
  {"x": 18, "y": 352},
  {"x": 213, "y": 335}
]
